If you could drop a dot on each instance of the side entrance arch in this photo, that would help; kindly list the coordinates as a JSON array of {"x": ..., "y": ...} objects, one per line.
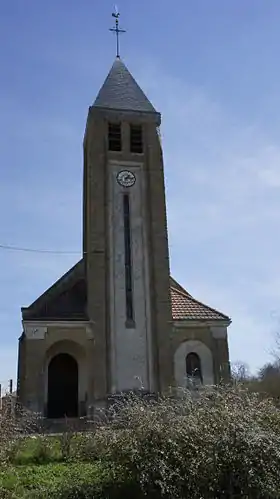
[{"x": 63, "y": 386}]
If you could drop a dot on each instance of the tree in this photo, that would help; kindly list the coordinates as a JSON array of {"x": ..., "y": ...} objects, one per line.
[{"x": 240, "y": 371}]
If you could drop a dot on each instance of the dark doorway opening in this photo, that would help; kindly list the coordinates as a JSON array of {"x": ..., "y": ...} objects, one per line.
[
  {"x": 193, "y": 366},
  {"x": 63, "y": 379}
]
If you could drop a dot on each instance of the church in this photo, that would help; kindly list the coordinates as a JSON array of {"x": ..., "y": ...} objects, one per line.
[{"x": 118, "y": 321}]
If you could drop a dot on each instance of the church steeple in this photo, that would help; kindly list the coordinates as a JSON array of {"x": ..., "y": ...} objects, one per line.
[
  {"x": 125, "y": 238},
  {"x": 121, "y": 92}
]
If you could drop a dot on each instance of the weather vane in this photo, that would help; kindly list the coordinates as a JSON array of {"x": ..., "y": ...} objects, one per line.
[{"x": 117, "y": 29}]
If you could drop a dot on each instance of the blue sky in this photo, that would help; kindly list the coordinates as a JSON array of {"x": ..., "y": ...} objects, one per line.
[{"x": 212, "y": 70}]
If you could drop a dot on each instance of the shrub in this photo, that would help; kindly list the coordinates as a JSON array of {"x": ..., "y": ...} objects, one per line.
[
  {"x": 84, "y": 447},
  {"x": 15, "y": 423},
  {"x": 219, "y": 442},
  {"x": 42, "y": 452},
  {"x": 107, "y": 488},
  {"x": 224, "y": 442}
]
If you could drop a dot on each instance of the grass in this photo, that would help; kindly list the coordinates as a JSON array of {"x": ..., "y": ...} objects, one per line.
[
  {"x": 44, "y": 449},
  {"x": 47, "y": 480},
  {"x": 39, "y": 468},
  {"x": 36, "y": 451}
]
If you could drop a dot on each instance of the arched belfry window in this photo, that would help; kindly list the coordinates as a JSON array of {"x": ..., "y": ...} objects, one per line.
[{"x": 193, "y": 367}]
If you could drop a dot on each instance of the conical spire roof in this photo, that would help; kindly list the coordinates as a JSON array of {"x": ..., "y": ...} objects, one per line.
[{"x": 121, "y": 92}]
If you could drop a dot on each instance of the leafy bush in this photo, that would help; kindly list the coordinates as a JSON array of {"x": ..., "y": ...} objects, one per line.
[
  {"x": 15, "y": 423},
  {"x": 223, "y": 442},
  {"x": 42, "y": 451},
  {"x": 219, "y": 442},
  {"x": 84, "y": 448}
]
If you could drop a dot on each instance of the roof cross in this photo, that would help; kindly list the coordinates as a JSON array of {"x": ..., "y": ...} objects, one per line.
[{"x": 117, "y": 29}]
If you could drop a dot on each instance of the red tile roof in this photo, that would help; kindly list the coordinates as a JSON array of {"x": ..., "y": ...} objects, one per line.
[{"x": 185, "y": 307}]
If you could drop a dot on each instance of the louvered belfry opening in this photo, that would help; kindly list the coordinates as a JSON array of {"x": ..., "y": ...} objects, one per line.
[
  {"x": 114, "y": 137},
  {"x": 136, "y": 139}
]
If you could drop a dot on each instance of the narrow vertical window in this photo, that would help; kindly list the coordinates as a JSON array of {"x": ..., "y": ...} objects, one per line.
[
  {"x": 193, "y": 367},
  {"x": 127, "y": 258},
  {"x": 136, "y": 139},
  {"x": 114, "y": 137}
]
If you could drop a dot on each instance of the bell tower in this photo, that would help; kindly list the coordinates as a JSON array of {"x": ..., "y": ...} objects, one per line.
[{"x": 125, "y": 239}]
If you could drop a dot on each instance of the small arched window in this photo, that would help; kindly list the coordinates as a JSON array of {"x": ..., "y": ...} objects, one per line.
[{"x": 193, "y": 367}]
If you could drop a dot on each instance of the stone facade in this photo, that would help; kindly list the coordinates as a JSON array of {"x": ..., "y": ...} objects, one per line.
[
  {"x": 82, "y": 316},
  {"x": 39, "y": 344},
  {"x": 209, "y": 342}
]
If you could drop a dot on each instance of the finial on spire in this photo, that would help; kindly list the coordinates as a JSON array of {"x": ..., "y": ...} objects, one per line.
[{"x": 117, "y": 29}]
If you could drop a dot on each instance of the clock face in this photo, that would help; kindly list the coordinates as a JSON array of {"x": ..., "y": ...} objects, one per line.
[{"x": 126, "y": 178}]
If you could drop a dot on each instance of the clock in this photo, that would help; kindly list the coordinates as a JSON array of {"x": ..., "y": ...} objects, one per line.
[{"x": 126, "y": 178}]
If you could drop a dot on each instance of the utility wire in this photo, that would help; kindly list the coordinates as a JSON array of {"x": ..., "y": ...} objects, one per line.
[{"x": 34, "y": 250}]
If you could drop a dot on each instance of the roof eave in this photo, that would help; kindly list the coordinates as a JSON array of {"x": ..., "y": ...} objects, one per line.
[
  {"x": 188, "y": 322},
  {"x": 154, "y": 116}
]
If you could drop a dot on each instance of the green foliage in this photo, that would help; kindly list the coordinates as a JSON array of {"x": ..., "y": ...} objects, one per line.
[
  {"x": 220, "y": 442},
  {"x": 37, "y": 449},
  {"x": 66, "y": 480},
  {"x": 84, "y": 447},
  {"x": 42, "y": 452},
  {"x": 42, "y": 449},
  {"x": 224, "y": 442}
]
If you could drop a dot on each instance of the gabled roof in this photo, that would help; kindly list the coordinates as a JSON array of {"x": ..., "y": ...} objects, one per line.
[
  {"x": 67, "y": 300},
  {"x": 185, "y": 307},
  {"x": 176, "y": 285},
  {"x": 121, "y": 92}
]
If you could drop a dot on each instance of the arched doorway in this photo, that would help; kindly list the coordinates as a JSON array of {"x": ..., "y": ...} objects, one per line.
[{"x": 63, "y": 378}]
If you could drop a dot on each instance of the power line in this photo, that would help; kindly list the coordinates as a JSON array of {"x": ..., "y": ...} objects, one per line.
[{"x": 34, "y": 250}]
